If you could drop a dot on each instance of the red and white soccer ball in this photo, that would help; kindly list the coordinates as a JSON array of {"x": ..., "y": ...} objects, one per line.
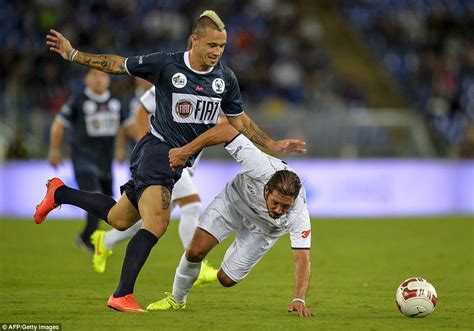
[{"x": 416, "y": 297}]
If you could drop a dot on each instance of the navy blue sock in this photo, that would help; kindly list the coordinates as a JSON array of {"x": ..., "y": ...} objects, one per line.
[
  {"x": 137, "y": 252},
  {"x": 98, "y": 204}
]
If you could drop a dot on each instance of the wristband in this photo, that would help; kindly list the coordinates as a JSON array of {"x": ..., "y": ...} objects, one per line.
[
  {"x": 298, "y": 300},
  {"x": 73, "y": 55},
  {"x": 70, "y": 54}
]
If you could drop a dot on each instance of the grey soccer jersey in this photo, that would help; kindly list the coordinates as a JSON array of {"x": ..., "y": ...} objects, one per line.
[
  {"x": 246, "y": 193},
  {"x": 188, "y": 102},
  {"x": 95, "y": 120}
]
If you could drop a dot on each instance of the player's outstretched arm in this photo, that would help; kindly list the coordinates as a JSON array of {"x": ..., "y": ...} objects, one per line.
[
  {"x": 247, "y": 126},
  {"x": 112, "y": 64},
  {"x": 302, "y": 277},
  {"x": 221, "y": 133}
]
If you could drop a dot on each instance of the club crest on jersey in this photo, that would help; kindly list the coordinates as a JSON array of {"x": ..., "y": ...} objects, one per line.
[
  {"x": 184, "y": 108},
  {"x": 218, "y": 85},
  {"x": 179, "y": 80}
]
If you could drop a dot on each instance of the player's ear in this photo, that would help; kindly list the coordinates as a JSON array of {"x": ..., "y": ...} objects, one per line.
[
  {"x": 193, "y": 39},
  {"x": 265, "y": 191}
]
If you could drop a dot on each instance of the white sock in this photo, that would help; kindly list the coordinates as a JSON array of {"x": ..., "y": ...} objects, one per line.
[
  {"x": 188, "y": 222},
  {"x": 184, "y": 278},
  {"x": 114, "y": 236}
]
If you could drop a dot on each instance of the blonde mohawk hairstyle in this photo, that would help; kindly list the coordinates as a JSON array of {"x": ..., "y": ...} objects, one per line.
[{"x": 210, "y": 14}]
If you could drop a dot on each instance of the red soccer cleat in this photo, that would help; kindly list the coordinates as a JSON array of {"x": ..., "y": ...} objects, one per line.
[
  {"x": 45, "y": 206},
  {"x": 126, "y": 304}
]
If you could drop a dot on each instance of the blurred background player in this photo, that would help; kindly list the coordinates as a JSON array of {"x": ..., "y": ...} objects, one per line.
[
  {"x": 95, "y": 118},
  {"x": 262, "y": 203},
  {"x": 184, "y": 195}
]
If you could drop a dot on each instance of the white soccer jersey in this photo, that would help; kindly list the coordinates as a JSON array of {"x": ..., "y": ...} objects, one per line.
[
  {"x": 148, "y": 100},
  {"x": 246, "y": 193}
]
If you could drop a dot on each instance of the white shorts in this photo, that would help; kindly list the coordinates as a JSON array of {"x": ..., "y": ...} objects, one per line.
[
  {"x": 250, "y": 245},
  {"x": 184, "y": 186}
]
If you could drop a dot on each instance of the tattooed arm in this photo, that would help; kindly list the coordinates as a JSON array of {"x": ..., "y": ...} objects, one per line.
[
  {"x": 113, "y": 64},
  {"x": 247, "y": 127}
]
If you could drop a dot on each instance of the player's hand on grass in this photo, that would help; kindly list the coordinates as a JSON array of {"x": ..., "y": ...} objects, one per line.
[
  {"x": 300, "y": 308},
  {"x": 54, "y": 157},
  {"x": 286, "y": 146},
  {"x": 59, "y": 44},
  {"x": 178, "y": 157}
]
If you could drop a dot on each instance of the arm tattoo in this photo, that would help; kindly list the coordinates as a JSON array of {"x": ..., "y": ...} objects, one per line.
[
  {"x": 165, "y": 198},
  {"x": 112, "y": 64},
  {"x": 256, "y": 135}
]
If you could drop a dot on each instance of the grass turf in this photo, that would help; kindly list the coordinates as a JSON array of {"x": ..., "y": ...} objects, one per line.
[{"x": 356, "y": 265}]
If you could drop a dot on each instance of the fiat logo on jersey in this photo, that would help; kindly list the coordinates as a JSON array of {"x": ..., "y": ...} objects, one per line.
[
  {"x": 218, "y": 85},
  {"x": 184, "y": 108},
  {"x": 179, "y": 80}
]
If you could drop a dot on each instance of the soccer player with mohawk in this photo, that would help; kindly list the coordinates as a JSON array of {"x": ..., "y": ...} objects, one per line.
[{"x": 192, "y": 88}]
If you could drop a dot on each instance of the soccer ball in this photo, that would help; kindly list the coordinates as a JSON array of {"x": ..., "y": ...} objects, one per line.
[{"x": 416, "y": 297}]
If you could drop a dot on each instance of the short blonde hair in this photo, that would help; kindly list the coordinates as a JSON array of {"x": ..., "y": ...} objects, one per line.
[{"x": 208, "y": 18}]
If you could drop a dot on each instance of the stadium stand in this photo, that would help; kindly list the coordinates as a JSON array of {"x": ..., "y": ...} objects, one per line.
[
  {"x": 428, "y": 46},
  {"x": 281, "y": 51},
  {"x": 274, "y": 51}
]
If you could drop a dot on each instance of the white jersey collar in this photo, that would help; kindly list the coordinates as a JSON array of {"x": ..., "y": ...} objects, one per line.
[
  {"x": 97, "y": 97},
  {"x": 188, "y": 64}
]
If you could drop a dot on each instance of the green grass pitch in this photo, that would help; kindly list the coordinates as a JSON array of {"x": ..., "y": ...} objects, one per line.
[{"x": 356, "y": 268}]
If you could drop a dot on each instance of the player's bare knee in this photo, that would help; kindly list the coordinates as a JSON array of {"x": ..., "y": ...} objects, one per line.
[
  {"x": 194, "y": 254},
  {"x": 115, "y": 221},
  {"x": 155, "y": 222},
  {"x": 121, "y": 221},
  {"x": 225, "y": 280},
  {"x": 120, "y": 224}
]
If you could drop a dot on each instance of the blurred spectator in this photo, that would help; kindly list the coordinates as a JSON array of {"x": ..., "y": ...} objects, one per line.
[
  {"x": 466, "y": 147},
  {"x": 429, "y": 47},
  {"x": 16, "y": 149}
]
